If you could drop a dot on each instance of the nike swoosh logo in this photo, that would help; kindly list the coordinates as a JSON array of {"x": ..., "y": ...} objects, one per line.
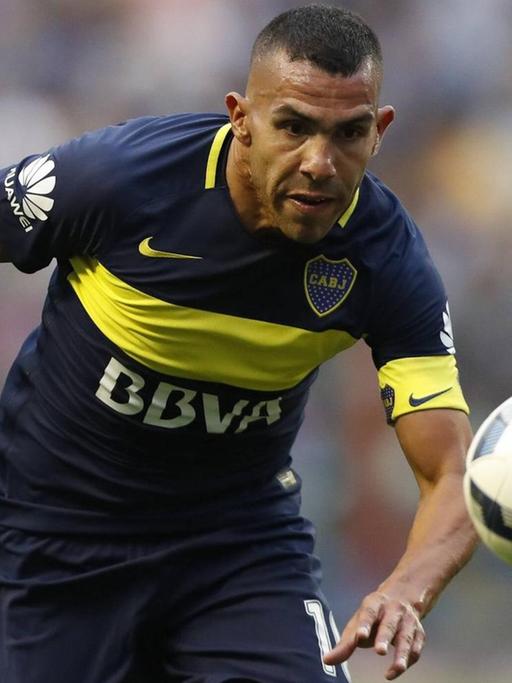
[
  {"x": 415, "y": 402},
  {"x": 146, "y": 250}
]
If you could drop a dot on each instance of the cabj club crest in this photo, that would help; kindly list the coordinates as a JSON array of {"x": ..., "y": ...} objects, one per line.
[{"x": 328, "y": 283}]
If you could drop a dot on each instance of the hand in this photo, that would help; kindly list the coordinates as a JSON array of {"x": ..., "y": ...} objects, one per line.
[{"x": 381, "y": 621}]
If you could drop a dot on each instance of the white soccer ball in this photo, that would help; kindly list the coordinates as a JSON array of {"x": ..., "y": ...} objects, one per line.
[{"x": 488, "y": 481}]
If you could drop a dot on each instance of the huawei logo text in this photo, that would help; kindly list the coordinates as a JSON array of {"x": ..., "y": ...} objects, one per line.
[{"x": 36, "y": 184}]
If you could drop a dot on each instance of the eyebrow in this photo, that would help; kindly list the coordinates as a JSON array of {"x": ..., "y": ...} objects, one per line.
[{"x": 288, "y": 110}]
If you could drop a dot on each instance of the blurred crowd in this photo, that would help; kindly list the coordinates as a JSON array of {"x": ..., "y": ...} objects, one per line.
[{"x": 71, "y": 65}]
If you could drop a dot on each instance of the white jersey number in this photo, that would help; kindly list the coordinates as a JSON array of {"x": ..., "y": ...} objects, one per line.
[{"x": 315, "y": 610}]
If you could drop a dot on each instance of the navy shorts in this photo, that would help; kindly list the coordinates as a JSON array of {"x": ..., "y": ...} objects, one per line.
[{"x": 239, "y": 601}]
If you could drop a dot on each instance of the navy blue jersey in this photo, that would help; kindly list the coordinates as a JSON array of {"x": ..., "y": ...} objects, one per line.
[
  {"x": 176, "y": 349},
  {"x": 239, "y": 600}
]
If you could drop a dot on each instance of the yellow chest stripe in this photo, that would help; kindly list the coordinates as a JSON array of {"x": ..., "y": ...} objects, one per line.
[{"x": 197, "y": 344}]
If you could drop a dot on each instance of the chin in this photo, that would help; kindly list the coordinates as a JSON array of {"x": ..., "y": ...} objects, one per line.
[
  {"x": 306, "y": 235},
  {"x": 278, "y": 237},
  {"x": 286, "y": 231}
]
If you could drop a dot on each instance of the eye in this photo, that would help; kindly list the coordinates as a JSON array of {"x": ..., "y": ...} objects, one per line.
[
  {"x": 353, "y": 133},
  {"x": 294, "y": 127}
]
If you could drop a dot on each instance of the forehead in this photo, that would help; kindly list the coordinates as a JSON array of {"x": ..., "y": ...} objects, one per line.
[{"x": 275, "y": 81}]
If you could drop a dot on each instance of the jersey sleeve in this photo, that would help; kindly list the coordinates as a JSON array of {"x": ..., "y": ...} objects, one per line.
[
  {"x": 411, "y": 334},
  {"x": 59, "y": 204}
]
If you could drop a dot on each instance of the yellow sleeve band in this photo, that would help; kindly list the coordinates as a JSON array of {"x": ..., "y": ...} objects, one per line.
[{"x": 422, "y": 383}]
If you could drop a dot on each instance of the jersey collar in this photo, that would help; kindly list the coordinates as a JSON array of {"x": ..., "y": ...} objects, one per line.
[
  {"x": 215, "y": 155},
  {"x": 348, "y": 213}
]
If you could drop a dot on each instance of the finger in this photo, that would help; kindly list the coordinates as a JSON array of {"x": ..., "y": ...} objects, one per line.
[
  {"x": 346, "y": 645},
  {"x": 409, "y": 639},
  {"x": 359, "y": 632},
  {"x": 417, "y": 647},
  {"x": 340, "y": 652},
  {"x": 387, "y": 632},
  {"x": 367, "y": 621}
]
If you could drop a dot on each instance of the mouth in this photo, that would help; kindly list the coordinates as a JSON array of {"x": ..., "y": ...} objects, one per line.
[{"x": 309, "y": 202}]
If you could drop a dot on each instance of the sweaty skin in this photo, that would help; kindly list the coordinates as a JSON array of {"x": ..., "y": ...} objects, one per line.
[{"x": 303, "y": 138}]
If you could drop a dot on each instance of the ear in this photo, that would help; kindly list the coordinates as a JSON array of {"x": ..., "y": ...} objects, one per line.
[
  {"x": 385, "y": 116},
  {"x": 238, "y": 107}
]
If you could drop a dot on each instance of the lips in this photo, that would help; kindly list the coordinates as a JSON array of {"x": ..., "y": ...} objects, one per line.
[
  {"x": 309, "y": 203},
  {"x": 309, "y": 199}
]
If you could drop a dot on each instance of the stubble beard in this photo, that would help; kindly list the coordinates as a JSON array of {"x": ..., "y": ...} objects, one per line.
[{"x": 271, "y": 224}]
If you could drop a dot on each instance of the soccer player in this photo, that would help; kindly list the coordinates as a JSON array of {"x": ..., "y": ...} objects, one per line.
[{"x": 206, "y": 266}]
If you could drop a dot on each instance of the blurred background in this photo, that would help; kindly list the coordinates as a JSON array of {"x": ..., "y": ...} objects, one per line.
[{"x": 71, "y": 65}]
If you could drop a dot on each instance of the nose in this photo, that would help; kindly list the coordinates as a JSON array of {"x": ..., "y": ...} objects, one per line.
[{"x": 318, "y": 159}]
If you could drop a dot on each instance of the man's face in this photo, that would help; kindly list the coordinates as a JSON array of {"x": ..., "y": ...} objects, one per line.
[{"x": 306, "y": 137}]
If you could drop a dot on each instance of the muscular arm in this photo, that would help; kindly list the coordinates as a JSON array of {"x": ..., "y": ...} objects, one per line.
[{"x": 440, "y": 542}]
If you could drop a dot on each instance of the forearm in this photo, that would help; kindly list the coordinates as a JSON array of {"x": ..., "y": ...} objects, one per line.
[{"x": 441, "y": 541}]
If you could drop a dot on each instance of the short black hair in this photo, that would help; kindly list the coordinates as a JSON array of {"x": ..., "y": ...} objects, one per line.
[{"x": 334, "y": 39}]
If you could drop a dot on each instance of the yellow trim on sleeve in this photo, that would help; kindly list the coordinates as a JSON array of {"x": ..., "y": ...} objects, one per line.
[
  {"x": 198, "y": 344},
  {"x": 421, "y": 383},
  {"x": 213, "y": 157}
]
